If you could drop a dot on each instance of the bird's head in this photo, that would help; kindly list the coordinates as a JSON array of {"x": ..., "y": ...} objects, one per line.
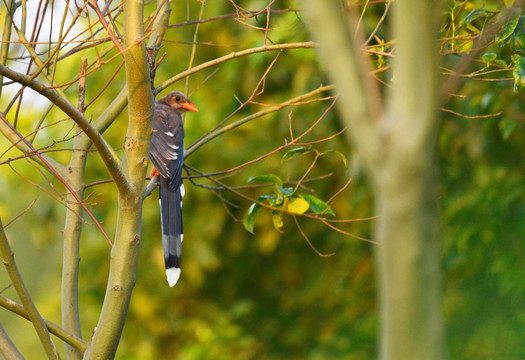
[{"x": 179, "y": 102}]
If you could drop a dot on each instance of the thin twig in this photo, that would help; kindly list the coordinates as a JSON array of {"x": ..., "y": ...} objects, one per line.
[
  {"x": 22, "y": 213},
  {"x": 240, "y": 122},
  {"x": 254, "y": 93},
  {"x": 228, "y": 16},
  {"x": 308, "y": 240},
  {"x": 63, "y": 181},
  {"x": 361, "y": 18},
  {"x": 332, "y": 198},
  {"x": 314, "y": 161},
  {"x": 383, "y": 17},
  {"x": 471, "y": 116},
  {"x": 294, "y": 142},
  {"x": 111, "y": 162},
  {"x": 351, "y": 220},
  {"x": 194, "y": 45},
  {"x": 93, "y": 4},
  {"x": 233, "y": 55},
  {"x": 327, "y": 223}
]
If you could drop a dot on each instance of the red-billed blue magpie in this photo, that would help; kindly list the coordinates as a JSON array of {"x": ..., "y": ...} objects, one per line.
[{"x": 167, "y": 155}]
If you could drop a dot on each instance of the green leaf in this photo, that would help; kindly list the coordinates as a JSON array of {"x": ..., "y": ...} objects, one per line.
[
  {"x": 298, "y": 150},
  {"x": 277, "y": 219},
  {"x": 518, "y": 72},
  {"x": 317, "y": 205},
  {"x": 265, "y": 179},
  {"x": 251, "y": 215},
  {"x": 287, "y": 191},
  {"x": 500, "y": 62},
  {"x": 473, "y": 15},
  {"x": 488, "y": 58},
  {"x": 336, "y": 153},
  {"x": 262, "y": 198},
  {"x": 517, "y": 39},
  {"x": 269, "y": 199},
  {"x": 277, "y": 201},
  {"x": 510, "y": 18},
  {"x": 297, "y": 205}
]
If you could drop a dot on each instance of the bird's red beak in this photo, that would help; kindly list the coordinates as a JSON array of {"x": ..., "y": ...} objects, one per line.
[{"x": 189, "y": 106}]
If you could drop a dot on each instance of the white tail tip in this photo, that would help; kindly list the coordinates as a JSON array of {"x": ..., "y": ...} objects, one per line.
[{"x": 173, "y": 275}]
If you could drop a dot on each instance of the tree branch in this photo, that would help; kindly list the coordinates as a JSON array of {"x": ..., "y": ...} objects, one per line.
[
  {"x": 72, "y": 231},
  {"x": 124, "y": 255},
  {"x": 37, "y": 321},
  {"x": 53, "y": 328},
  {"x": 15, "y": 138},
  {"x": 194, "y": 45},
  {"x": 340, "y": 53},
  {"x": 398, "y": 148},
  {"x": 63, "y": 180},
  {"x": 7, "y": 348},
  {"x": 233, "y": 55},
  {"x": 6, "y": 36},
  {"x": 160, "y": 23},
  {"x": 256, "y": 115},
  {"x": 105, "y": 153}
]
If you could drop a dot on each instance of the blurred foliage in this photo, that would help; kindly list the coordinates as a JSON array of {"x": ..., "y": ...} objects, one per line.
[{"x": 270, "y": 296}]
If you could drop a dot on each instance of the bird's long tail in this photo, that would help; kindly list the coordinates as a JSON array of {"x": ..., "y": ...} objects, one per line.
[{"x": 171, "y": 219}]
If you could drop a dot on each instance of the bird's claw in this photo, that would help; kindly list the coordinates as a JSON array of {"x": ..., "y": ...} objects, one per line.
[{"x": 151, "y": 186}]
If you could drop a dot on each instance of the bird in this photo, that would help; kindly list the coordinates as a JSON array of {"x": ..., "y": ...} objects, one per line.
[{"x": 167, "y": 155}]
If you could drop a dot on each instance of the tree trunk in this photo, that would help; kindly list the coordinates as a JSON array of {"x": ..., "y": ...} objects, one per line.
[
  {"x": 397, "y": 145},
  {"x": 124, "y": 254}
]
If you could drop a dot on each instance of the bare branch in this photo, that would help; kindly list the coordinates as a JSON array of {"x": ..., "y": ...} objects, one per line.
[
  {"x": 308, "y": 240},
  {"x": 383, "y": 17},
  {"x": 25, "y": 147},
  {"x": 486, "y": 116},
  {"x": 194, "y": 45},
  {"x": 37, "y": 321},
  {"x": 225, "y": 129},
  {"x": 4, "y": 48},
  {"x": 255, "y": 93},
  {"x": 102, "y": 147},
  {"x": 360, "y": 97},
  {"x": 230, "y": 56},
  {"x": 228, "y": 16},
  {"x": 328, "y": 223},
  {"x": 93, "y": 4},
  {"x": 288, "y": 144},
  {"x": 332, "y": 198},
  {"x": 7, "y": 348},
  {"x": 82, "y": 86},
  {"x": 53, "y": 328},
  {"x": 62, "y": 179},
  {"x": 22, "y": 213}
]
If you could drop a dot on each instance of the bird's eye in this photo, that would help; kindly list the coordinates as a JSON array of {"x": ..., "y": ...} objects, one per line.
[{"x": 177, "y": 98}]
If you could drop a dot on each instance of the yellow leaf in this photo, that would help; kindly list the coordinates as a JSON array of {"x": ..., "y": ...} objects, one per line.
[
  {"x": 465, "y": 47},
  {"x": 297, "y": 205},
  {"x": 277, "y": 218}
]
